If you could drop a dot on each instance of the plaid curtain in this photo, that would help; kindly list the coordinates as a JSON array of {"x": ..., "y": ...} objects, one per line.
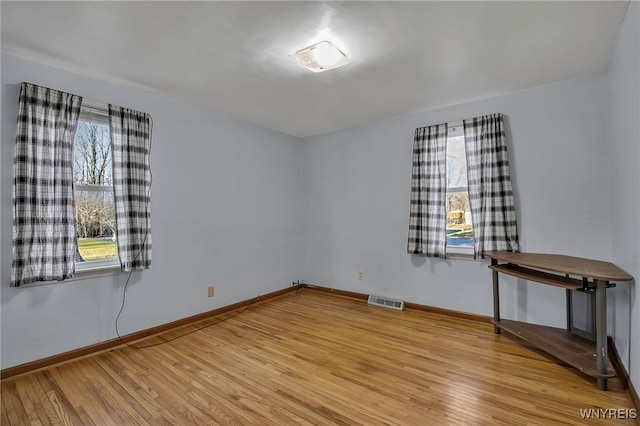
[
  {"x": 44, "y": 236},
  {"x": 427, "y": 221},
  {"x": 490, "y": 194},
  {"x": 131, "y": 144}
]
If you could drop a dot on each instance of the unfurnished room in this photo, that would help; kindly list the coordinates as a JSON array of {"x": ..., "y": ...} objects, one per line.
[{"x": 320, "y": 213}]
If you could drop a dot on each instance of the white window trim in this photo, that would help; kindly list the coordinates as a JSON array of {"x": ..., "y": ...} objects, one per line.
[
  {"x": 93, "y": 188},
  {"x": 94, "y": 111},
  {"x": 98, "y": 113},
  {"x": 457, "y": 189},
  {"x": 456, "y": 129},
  {"x": 96, "y": 265},
  {"x": 465, "y": 253}
]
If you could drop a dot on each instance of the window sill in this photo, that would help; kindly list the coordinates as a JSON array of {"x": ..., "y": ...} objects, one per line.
[
  {"x": 85, "y": 271},
  {"x": 458, "y": 253}
]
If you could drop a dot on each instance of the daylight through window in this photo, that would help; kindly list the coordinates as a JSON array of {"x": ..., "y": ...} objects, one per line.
[
  {"x": 93, "y": 191},
  {"x": 458, "y": 212}
]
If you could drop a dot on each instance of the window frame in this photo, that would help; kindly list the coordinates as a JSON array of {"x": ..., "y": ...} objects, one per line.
[
  {"x": 456, "y": 129},
  {"x": 99, "y": 114}
]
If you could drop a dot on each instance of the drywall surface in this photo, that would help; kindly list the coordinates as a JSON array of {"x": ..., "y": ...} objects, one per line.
[
  {"x": 622, "y": 88},
  {"x": 356, "y": 191},
  {"x": 224, "y": 213}
]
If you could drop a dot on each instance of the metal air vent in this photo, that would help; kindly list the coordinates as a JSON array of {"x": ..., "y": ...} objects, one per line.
[{"x": 386, "y": 302}]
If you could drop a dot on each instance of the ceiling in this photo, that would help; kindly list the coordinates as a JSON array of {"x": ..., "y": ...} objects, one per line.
[{"x": 234, "y": 57}]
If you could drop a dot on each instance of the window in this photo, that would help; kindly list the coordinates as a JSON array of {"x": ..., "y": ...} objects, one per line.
[
  {"x": 457, "y": 169},
  {"x": 93, "y": 191},
  {"x": 459, "y": 229},
  {"x": 69, "y": 154}
]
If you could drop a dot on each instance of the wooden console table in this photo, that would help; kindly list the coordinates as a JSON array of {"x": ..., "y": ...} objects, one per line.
[{"x": 564, "y": 344}]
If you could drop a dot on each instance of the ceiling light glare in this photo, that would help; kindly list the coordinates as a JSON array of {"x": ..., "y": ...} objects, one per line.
[{"x": 321, "y": 56}]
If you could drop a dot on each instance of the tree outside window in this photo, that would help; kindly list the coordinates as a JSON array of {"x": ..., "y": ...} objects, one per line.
[
  {"x": 92, "y": 172},
  {"x": 458, "y": 212}
]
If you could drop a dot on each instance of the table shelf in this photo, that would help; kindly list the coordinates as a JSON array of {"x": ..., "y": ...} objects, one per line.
[
  {"x": 587, "y": 356},
  {"x": 538, "y": 276},
  {"x": 574, "y": 350}
]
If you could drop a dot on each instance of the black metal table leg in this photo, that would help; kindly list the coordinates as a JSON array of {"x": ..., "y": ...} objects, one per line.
[
  {"x": 496, "y": 299},
  {"x": 601, "y": 332}
]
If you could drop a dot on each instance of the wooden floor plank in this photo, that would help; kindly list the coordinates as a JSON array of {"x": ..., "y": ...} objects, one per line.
[
  {"x": 59, "y": 391},
  {"x": 4, "y": 417},
  {"x": 44, "y": 410},
  {"x": 315, "y": 358},
  {"x": 15, "y": 409}
]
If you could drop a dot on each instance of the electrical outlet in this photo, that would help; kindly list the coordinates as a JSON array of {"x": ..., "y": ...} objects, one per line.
[
  {"x": 361, "y": 275},
  {"x": 210, "y": 291}
]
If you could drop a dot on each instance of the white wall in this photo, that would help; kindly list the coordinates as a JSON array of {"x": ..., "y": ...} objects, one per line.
[
  {"x": 356, "y": 190},
  {"x": 224, "y": 212},
  {"x": 622, "y": 83}
]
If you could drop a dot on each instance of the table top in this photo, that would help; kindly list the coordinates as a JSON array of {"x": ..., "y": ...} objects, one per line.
[{"x": 577, "y": 266}]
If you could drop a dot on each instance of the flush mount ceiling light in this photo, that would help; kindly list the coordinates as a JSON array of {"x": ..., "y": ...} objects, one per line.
[{"x": 321, "y": 56}]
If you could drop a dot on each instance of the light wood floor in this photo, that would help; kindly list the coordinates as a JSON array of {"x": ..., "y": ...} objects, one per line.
[{"x": 314, "y": 358}]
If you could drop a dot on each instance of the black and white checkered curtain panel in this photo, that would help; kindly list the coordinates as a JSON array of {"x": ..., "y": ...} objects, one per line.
[
  {"x": 44, "y": 235},
  {"x": 131, "y": 144},
  {"x": 427, "y": 221},
  {"x": 493, "y": 210}
]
